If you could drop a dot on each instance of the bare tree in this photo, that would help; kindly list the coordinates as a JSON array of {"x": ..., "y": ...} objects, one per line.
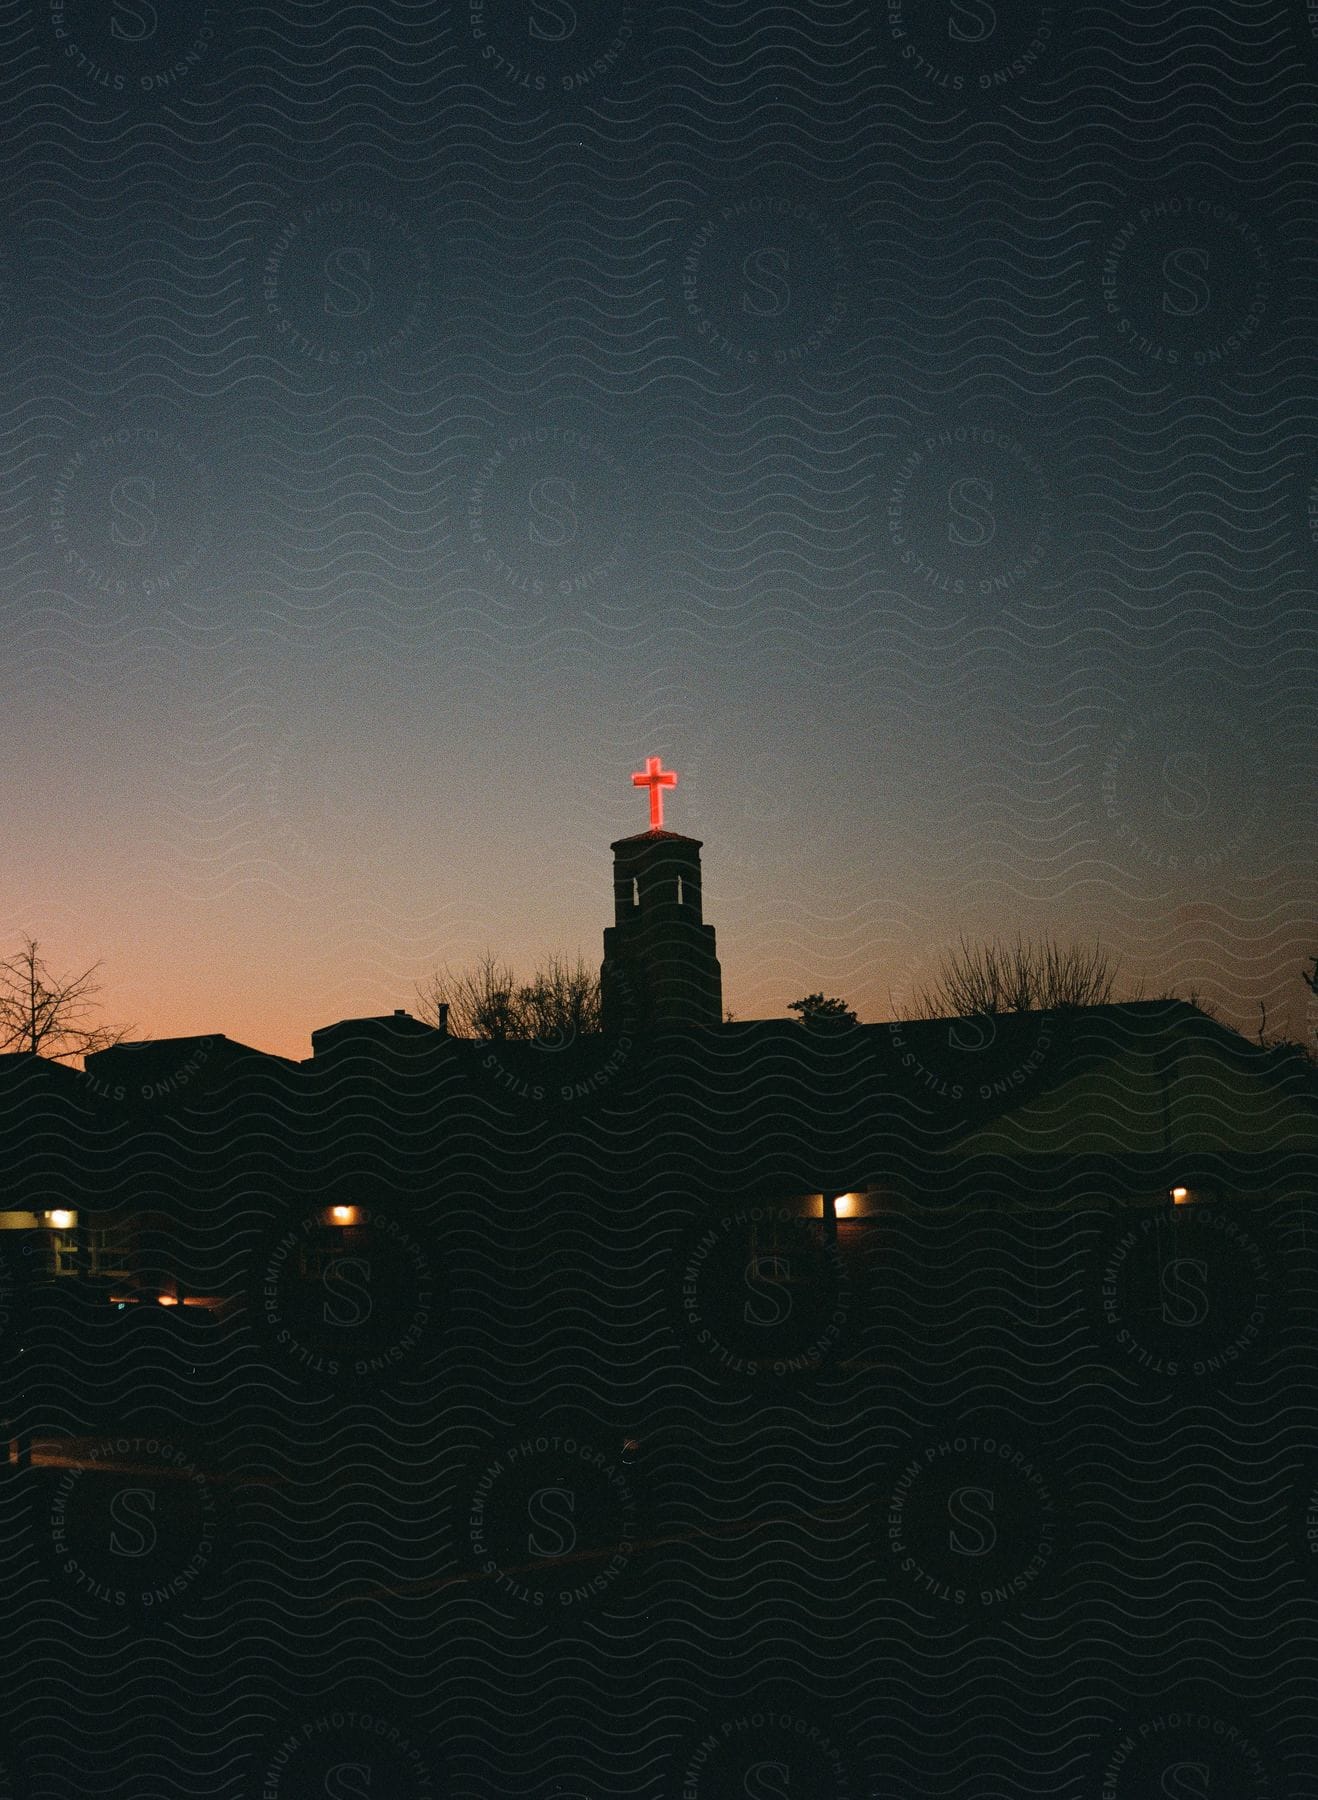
[
  {"x": 1016, "y": 977},
  {"x": 561, "y": 1000},
  {"x": 50, "y": 1016},
  {"x": 1280, "y": 1044}
]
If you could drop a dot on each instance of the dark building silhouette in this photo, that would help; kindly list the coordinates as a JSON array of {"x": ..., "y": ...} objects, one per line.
[
  {"x": 397, "y": 1031},
  {"x": 152, "y": 1070},
  {"x": 150, "y": 1171},
  {"x": 660, "y": 967}
]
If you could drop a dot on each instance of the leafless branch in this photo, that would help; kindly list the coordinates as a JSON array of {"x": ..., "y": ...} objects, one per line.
[
  {"x": 1021, "y": 976},
  {"x": 486, "y": 1000},
  {"x": 45, "y": 1015}
]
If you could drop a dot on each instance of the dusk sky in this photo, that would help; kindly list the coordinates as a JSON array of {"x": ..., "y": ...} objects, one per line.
[{"x": 900, "y": 419}]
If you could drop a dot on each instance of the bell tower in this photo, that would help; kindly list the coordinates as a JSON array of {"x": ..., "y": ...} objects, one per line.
[{"x": 660, "y": 966}]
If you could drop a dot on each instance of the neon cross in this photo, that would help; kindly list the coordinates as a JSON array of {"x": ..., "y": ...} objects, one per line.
[{"x": 656, "y": 778}]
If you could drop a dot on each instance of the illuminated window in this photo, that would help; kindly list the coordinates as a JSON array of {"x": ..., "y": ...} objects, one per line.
[
  {"x": 1180, "y": 1195},
  {"x": 636, "y": 892},
  {"x": 63, "y": 1248},
  {"x": 679, "y": 890}
]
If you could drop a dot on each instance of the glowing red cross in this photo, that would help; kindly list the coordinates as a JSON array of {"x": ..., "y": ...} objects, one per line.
[{"x": 656, "y": 778}]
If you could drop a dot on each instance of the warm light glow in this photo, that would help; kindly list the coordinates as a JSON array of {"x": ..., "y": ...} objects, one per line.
[
  {"x": 343, "y": 1215},
  {"x": 656, "y": 778},
  {"x": 1180, "y": 1195},
  {"x": 167, "y": 1299},
  {"x": 845, "y": 1205},
  {"x": 60, "y": 1219}
]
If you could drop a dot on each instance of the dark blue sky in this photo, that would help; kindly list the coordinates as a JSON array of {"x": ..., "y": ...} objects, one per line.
[{"x": 900, "y": 418}]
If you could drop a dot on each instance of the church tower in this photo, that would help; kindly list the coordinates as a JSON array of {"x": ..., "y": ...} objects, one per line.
[{"x": 660, "y": 966}]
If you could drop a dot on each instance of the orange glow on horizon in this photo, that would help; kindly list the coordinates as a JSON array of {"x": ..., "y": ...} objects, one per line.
[{"x": 237, "y": 962}]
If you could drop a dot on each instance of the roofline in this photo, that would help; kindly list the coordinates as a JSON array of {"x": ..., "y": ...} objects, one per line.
[{"x": 656, "y": 837}]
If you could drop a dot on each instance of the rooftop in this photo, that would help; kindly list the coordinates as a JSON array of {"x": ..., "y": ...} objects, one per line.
[{"x": 656, "y": 836}]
